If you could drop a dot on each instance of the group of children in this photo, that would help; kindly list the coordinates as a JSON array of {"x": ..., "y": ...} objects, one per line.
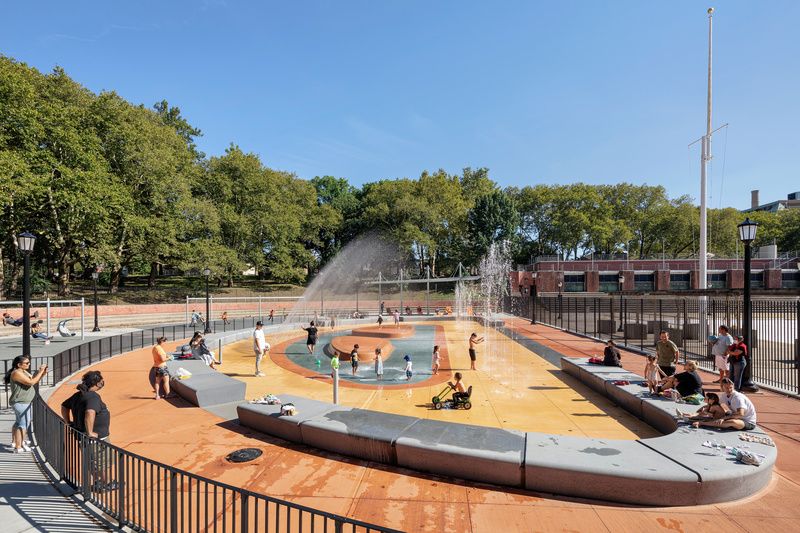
[{"x": 378, "y": 360}]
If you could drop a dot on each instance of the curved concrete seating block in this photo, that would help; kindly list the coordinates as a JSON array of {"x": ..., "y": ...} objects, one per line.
[
  {"x": 629, "y": 397},
  {"x": 368, "y": 435},
  {"x": 479, "y": 453},
  {"x": 612, "y": 470},
  {"x": 206, "y": 386},
  {"x": 266, "y": 418},
  {"x": 595, "y": 376},
  {"x": 659, "y": 412},
  {"x": 722, "y": 478}
]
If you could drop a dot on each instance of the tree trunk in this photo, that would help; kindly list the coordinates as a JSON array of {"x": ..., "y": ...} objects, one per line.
[
  {"x": 151, "y": 281},
  {"x": 2, "y": 276},
  {"x": 116, "y": 275},
  {"x": 63, "y": 277}
]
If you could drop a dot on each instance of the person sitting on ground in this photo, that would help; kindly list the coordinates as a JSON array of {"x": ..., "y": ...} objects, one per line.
[
  {"x": 653, "y": 374},
  {"x": 687, "y": 383},
  {"x": 712, "y": 410},
  {"x": 38, "y": 333},
  {"x": 17, "y": 322},
  {"x": 742, "y": 413},
  {"x": 459, "y": 390},
  {"x": 611, "y": 355}
]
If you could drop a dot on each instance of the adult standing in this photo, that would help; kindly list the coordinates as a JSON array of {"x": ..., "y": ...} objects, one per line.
[
  {"x": 719, "y": 348},
  {"x": 396, "y": 317},
  {"x": 311, "y": 339},
  {"x": 742, "y": 415},
  {"x": 737, "y": 360},
  {"x": 260, "y": 346},
  {"x": 22, "y": 384},
  {"x": 474, "y": 341},
  {"x": 160, "y": 358},
  {"x": 667, "y": 353}
]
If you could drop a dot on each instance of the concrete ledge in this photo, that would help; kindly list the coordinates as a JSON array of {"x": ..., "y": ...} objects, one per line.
[
  {"x": 368, "y": 435},
  {"x": 266, "y": 418},
  {"x": 206, "y": 386},
  {"x": 479, "y": 453},
  {"x": 612, "y": 470}
]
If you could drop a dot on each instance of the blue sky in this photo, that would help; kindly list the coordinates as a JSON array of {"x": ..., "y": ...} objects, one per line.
[{"x": 539, "y": 92}]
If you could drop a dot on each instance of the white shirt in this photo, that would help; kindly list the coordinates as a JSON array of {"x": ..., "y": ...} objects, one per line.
[
  {"x": 408, "y": 366},
  {"x": 259, "y": 342},
  {"x": 737, "y": 400},
  {"x": 435, "y": 358}
]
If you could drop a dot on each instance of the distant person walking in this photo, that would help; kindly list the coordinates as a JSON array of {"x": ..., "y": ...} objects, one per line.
[
  {"x": 311, "y": 339},
  {"x": 396, "y": 317},
  {"x": 667, "y": 353},
  {"x": 21, "y": 384},
  {"x": 719, "y": 349},
  {"x": 224, "y": 317},
  {"x": 380, "y": 321},
  {"x": 260, "y": 346},
  {"x": 272, "y": 315},
  {"x": 383, "y": 309},
  {"x": 474, "y": 341},
  {"x": 160, "y": 358}
]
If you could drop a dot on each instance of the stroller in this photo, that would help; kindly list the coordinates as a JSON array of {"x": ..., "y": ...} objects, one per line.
[
  {"x": 458, "y": 401},
  {"x": 63, "y": 330}
]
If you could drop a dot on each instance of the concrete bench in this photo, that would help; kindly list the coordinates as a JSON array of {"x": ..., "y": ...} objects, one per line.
[
  {"x": 267, "y": 419},
  {"x": 360, "y": 433},
  {"x": 490, "y": 455},
  {"x": 206, "y": 386}
]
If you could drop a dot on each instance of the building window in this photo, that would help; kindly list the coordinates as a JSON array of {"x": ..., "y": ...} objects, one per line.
[
  {"x": 609, "y": 283},
  {"x": 679, "y": 282},
  {"x": 790, "y": 280},
  {"x": 574, "y": 283},
  {"x": 644, "y": 282},
  {"x": 757, "y": 280},
  {"x": 716, "y": 280}
]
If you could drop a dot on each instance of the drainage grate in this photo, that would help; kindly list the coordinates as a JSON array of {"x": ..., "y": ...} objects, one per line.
[{"x": 244, "y": 455}]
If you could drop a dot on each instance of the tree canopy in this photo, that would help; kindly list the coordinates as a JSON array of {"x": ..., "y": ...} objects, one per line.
[{"x": 104, "y": 182}]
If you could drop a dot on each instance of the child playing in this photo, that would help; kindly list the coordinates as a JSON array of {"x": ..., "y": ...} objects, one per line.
[
  {"x": 378, "y": 364},
  {"x": 712, "y": 410},
  {"x": 653, "y": 374},
  {"x": 354, "y": 359},
  {"x": 380, "y": 321},
  {"x": 459, "y": 391},
  {"x": 435, "y": 360},
  {"x": 409, "y": 373}
]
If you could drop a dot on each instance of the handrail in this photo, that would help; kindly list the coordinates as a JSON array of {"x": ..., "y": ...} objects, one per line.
[{"x": 148, "y": 495}]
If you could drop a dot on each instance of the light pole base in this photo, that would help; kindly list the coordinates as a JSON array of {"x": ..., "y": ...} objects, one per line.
[{"x": 95, "y": 329}]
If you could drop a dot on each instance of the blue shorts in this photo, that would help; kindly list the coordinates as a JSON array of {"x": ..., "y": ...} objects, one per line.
[{"x": 22, "y": 412}]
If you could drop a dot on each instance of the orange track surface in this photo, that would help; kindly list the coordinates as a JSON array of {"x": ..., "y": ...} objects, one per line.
[{"x": 195, "y": 440}]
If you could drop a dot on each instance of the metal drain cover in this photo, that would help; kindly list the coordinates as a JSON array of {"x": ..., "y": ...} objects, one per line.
[{"x": 244, "y": 455}]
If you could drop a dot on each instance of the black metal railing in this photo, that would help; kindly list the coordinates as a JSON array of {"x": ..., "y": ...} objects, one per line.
[
  {"x": 146, "y": 495},
  {"x": 635, "y": 321}
]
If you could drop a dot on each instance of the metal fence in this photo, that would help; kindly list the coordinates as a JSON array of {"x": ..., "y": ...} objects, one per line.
[
  {"x": 146, "y": 495},
  {"x": 636, "y": 321}
]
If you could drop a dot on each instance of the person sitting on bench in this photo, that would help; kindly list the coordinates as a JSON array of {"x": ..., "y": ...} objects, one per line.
[
  {"x": 8, "y": 321},
  {"x": 459, "y": 391}
]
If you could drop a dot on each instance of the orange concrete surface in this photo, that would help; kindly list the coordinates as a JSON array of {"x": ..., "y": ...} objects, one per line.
[{"x": 195, "y": 440}]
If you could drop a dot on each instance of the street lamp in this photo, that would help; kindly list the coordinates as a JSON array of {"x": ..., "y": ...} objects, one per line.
[
  {"x": 207, "y": 274},
  {"x": 747, "y": 234},
  {"x": 25, "y": 242},
  {"x": 533, "y": 299},
  {"x": 621, "y": 314},
  {"x": 95, "y": 275}
]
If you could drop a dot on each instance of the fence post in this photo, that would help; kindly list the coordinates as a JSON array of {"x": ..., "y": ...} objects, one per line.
[
  {"x": 245, "y": 513},
  {"x": 86, "y": 482},
  {"x": 219, "y": 350},
  {"x": 83, "y": 317},
  {"x": 173, "y": 501},
  {"x": 121, "y": 488},
  {"x": 48, "y": 316},
  {"x": 186, "y": 313}
]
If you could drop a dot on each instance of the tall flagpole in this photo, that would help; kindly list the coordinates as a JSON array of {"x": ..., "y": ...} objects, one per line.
[{"x": 705, "y": 157}]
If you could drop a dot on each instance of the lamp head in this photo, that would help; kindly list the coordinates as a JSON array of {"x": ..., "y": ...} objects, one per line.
[
  {"x": 26, "y": 241},
  {"x": 747, "y": 231},
  {"x": 710, "y": 11},
  {"x": 206, "y": 272}
]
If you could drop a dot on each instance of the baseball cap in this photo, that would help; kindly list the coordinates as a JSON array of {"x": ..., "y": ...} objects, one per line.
[{"x": 259, "y": 323}]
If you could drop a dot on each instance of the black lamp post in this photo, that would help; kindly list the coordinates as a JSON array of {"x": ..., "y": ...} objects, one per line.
[
  {"x": 747, "y": 234},
  {"x": 533, "y": 299},
  {"x": 95, "y": 275},
  {"x": 560, "y": 299},
  {"x": 25, "y": 242},
  {"x": 207, "y": 274},
  {"x": 621, "y": 313}
]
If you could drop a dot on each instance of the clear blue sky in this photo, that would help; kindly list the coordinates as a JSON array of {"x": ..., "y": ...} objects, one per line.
[{"x": 539, "y": 92}]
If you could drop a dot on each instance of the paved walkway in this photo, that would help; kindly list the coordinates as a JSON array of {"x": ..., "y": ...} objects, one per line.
[{"x": 28, "y": 500}]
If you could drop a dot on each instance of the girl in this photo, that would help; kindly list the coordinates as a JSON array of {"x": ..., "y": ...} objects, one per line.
[
  {"x": 653, "y": 374},
  {"x": 409, "y": 373},
  {"x": 354, "y": 359},
  {"x": 160, "y": 359},
  {"x": 435, "y": 360},
  {"x": 712, "y": 410},
  {"x": 378, "y": 364}
]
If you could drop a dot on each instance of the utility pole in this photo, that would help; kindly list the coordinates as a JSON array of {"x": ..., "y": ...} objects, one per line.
[{"x": 705, "y": 157}]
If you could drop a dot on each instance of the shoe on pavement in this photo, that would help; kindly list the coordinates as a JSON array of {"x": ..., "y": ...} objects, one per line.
[
  {"x": 260, "y": 374},
  {"x": 26, "y": 447}
]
